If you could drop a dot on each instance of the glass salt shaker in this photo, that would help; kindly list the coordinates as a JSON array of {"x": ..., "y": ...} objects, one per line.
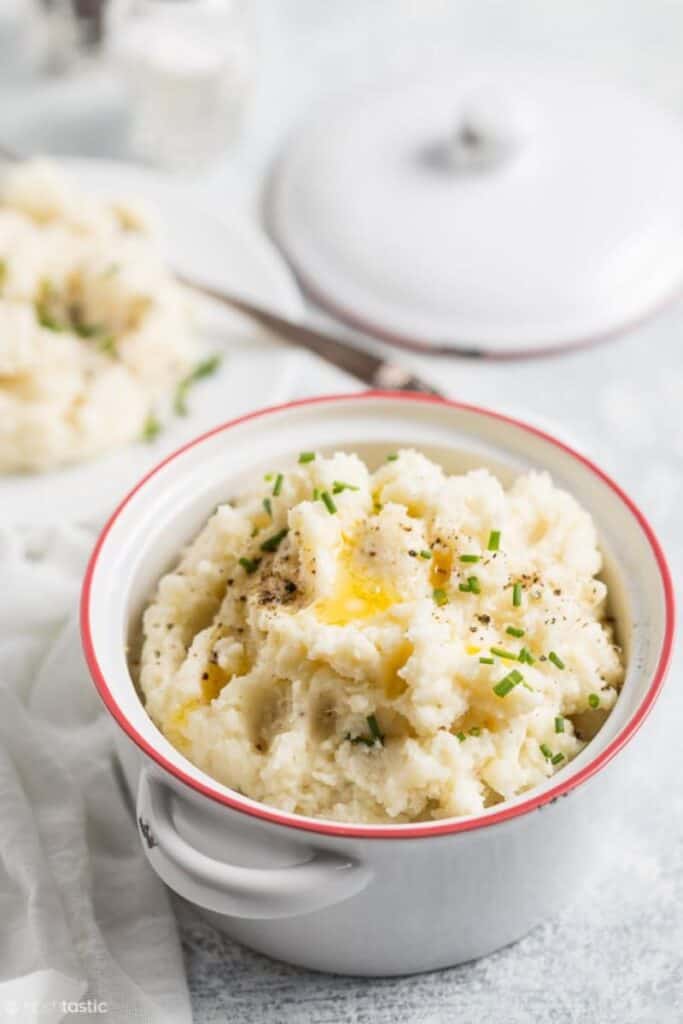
[{"x": 188, "y": 64}]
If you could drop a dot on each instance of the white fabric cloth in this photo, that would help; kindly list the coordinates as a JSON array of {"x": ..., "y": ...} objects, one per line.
[{"x": 86, "y": 927}]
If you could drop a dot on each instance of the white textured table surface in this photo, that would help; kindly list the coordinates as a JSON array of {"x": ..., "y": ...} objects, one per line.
[{"x": 616, "y": 954}]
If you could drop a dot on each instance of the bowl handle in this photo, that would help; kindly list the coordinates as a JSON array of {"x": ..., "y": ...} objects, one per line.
[{"x": 320, "y": 880}]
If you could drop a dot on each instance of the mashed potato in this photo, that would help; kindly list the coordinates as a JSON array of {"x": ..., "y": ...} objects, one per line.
[
  {"x": 393, "y": 646},
  {"x": 94, "y": 331}
]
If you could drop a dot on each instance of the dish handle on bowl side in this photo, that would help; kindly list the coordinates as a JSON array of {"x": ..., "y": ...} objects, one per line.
[{"x": 320, "y": 881}]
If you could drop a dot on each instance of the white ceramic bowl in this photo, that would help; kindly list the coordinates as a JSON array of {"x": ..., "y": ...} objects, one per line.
[{"x": 367, "y": 899}]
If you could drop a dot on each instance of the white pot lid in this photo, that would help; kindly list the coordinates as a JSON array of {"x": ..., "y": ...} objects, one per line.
[{"x": 499, "y": 212}]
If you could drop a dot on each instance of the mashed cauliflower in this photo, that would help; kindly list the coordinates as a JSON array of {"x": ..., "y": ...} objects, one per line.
[
  {"x": 389, "y": 646},
  {"x": 94, "y": 331}
]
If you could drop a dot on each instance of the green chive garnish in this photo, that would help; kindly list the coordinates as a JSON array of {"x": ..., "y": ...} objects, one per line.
[
  {"x": 316, "y": 493},
  {"x": 525, "y": 656},
  {"x": 487, "y": 661},
  {"x": 594, "y": 700},
  {"x": 517, "y": 595},
  {"x": 513, "y": 631},
  {"x": 86, "y": 330},
  {"x": 460, "y": 736},
  {"x": 277, "y": 486},
  {"x": 328, "y": 502},
  {"x": 474, "y": 584},
  {"x": 426, "y": 553},
  {"x": 107, "y": 344},
  {"x": 392, "y": 457},
  {"x": 250, "y": 565},
  {"x": 546, "y": 751},
  {"x": 203, "y": 369},
  {"x": 305, "y": 457},
  {"x": 338, "y": 486},
  {"x": 557, "y": 758},
  {"x": 440, "y": 596},
  {"x": 559, "y": 724},
  {"x": 151, "y": 428},
  {"x": 500, "y": 652},
  {"x": 46, "y": 319},
  {"x": 267, "y": 504},
  {"x": 273, "y": 543},
  {"x": 556, "y": 660},
  {"x": 469, "y": 558},
  {"x": 494, "y": 540},
  {"x": 268, "y": 477},
  {"x": 475, "y": 731},
  {"x": 508, "y": 683},
  {"x": 373, "y": 726}
]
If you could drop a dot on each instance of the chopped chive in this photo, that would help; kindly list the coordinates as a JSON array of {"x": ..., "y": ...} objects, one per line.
[
  {"x": 469, "y": 558},
  {"x": 546, "y": 751},
  {"x": 556, "y": 660},
  {"x": 151, "y": 428},
  {"x": 464, "y": 588},
  {"x": 305, "y": 457},
  {"x": 507, "y": 683},
  {"x": 594, "y": 700},
  {"x": 365, "y": 740},
  {"x": 250, "y": 565},
  {"x": 487, "y": 661},
  {"x": 203, "y": 369},
  {"x": 277, "y": 486},
  {"x": 378, "y": 506},
  {"x": 426, "y": 553},
  {"x": 557, "y": 758},
  {"x": 268, "y": 477},
  {"x": 273, "y": 543},
  {"x": 338, "y": 486},
  {"x": 500, "y": 652},
  {"x": 475, "y": 586},
  {"x": 517, "y": 595},
  {"x": 460, "y": 736},
  {"x": 328, "y": 502},
  {"x": 86, "y": 330},
  {"x": 494, "y": 540},
  {"x": 392, "y": 457},
  {"x": 267, "y": 504},
  {"x": 373, "y": 726},
  {"x": 513, "y": 631},
  {"x": 475, "y": 731},
  {"x": 316, "y": 493},
  {"x": 45, "y": 319},
  {"x": 440, "y": 596},
  {"x": 107, "y": 344},
  {"x": 559, "y": 724},
  {"x": 526, "y": 656}
]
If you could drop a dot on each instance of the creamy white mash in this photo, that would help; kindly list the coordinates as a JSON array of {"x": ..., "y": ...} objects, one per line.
[
  {"x": 94, "y": 331},
  {"x": 389, "y": 646}
]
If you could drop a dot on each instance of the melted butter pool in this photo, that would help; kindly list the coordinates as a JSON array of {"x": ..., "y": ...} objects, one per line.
[{"x": 356, "y": 595}]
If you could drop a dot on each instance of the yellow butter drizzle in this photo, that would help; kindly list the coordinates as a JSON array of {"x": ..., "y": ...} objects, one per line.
[{"x": 355, "y": 595}]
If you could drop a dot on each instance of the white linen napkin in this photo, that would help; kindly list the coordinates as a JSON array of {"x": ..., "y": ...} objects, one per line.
[{"x": 85, "y": 925}]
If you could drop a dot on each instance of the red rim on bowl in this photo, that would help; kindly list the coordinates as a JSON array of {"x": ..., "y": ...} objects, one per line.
[{"x": 399, "y": 831}]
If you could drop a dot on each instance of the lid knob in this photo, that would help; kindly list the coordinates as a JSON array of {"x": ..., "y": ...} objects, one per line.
[{"x": 490, "y": 130}]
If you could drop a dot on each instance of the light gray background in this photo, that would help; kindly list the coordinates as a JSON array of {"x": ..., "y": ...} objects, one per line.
[{"x": 614, "y": 957}]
